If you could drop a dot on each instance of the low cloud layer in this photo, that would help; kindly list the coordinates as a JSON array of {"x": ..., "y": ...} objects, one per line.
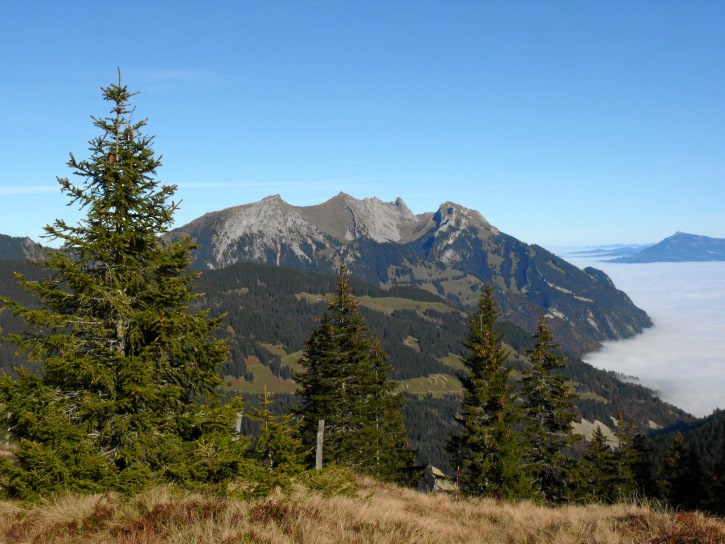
[{"x": 683, "y": 356}]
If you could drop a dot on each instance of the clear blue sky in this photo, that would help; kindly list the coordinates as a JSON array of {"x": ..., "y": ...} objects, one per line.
[{"x": 564, "y": 123}]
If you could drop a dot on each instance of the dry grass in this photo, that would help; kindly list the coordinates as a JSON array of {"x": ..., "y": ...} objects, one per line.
[
  {"x": 436, "y": 385},
  {"x": 386, "y": 305},
  {"x": 263, "y": 378},
  {"x": 378, "y": 514}
]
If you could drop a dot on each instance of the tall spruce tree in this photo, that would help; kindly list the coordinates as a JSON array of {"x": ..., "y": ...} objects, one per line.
[
  {"x": 549, "y": 413},
  {"x": 627, "y": 457},
  {"x": 681, "y": 475},
  {"x": 609, "y": 474},
  {"x": 346, "y": 383},
  {"x": 598, "y": 481},
  {"x": 128, "y": 366},
  {"x": 643, "y": 469},
  {"x": 488, "y": 450}
]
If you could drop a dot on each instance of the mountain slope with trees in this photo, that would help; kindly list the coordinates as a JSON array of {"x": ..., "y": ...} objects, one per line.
[
  {"x": 453, "y": 252},
  {"x": 14, "y": 248},
  {"x": 270, "y": 312}
]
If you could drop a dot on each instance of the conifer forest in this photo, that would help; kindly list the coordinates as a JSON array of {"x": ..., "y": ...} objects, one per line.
[{"x": 120, "y": 361}]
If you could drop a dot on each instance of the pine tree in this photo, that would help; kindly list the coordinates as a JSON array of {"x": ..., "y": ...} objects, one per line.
[
  {"x": 125, "y": 358},
  {"x": 278, "y": 448},
  {"x": 389, "y": 441},
  {"x": 549, "y": 414},
  {"x": 611, "y": 474},
  {"x": 643, "y": 470},
  {"x": 682, "y": 475},
  {"x": 599, "y": 481},
  {"x": 488, "y": 450},
  {"x": 346, "y": 383},
  {"x": 627, "y": 458}
]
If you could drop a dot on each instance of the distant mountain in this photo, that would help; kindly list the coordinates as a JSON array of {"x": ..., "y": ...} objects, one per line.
[
  {"x": 452, "y": 252},
  {"x": 14, "y": 248},
  {"x": 619, "y": 250},
  {"x": 679, "y": 247}
]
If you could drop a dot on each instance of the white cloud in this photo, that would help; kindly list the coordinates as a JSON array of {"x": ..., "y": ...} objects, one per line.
[
  {"x": 683, "y": 355},
  {"x": 27, "y": 189}
]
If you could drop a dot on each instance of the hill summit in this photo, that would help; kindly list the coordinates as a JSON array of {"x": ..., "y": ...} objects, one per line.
[
  {"x": 680, "y": 247},
  {"x": 452, "y": 251}
]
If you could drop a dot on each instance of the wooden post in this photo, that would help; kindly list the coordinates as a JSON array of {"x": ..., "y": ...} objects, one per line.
[
  {"x": 320, "y": 435},
  {"x": 238, "y": 426}
]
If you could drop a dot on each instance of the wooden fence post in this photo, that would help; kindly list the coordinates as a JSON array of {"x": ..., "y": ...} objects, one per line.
[
  {"x": 238, "y": 426},
  {"x": 320, "y": 436}
]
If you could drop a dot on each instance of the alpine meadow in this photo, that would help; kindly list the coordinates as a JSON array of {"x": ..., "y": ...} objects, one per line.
[{"x": 344, "y": 372}]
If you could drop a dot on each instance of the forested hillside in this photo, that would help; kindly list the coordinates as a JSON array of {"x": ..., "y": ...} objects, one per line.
[
  {"x": 271, "y": 311},
  {"x": 705, "y": 436},
  {"x": 268, "y": 305}
]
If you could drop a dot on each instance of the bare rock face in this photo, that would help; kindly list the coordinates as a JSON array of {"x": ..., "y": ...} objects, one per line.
[
  {"x": 453, "y": 251},
  {"x": 346, "y": 219},
  {"x": 18, "y": 248}
]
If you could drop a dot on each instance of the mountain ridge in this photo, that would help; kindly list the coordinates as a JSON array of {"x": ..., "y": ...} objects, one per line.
[{"x": 452, "y": 251}]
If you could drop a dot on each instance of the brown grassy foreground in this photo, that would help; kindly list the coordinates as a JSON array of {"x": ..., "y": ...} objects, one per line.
[{"x": 377, "y": 513}]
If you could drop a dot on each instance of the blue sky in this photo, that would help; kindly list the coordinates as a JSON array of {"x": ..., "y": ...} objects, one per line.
[{"x": 564, "y": 123}]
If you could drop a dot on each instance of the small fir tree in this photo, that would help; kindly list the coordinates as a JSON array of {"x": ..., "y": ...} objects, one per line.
[
  {"x": 488, "y": 450},
  {"x": 643, "y": 470},
  {"x": 681, "y": 475},
  {"x": 389, "y": 441},
  {"x": 346, "y": 383},
  {"x": 278, "y": 448},
  {"x": 128, "y": 366},
  {"x": 627, "y": 458},
  {"x": 549, "y": 414},
  {"x": 598, "y": 479}
]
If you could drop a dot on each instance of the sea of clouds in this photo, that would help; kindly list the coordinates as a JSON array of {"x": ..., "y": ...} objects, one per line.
[{"x": 683, "y": 356}]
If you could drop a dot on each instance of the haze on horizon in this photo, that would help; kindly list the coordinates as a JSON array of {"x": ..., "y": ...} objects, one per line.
[{"x": 562, "y": 123}]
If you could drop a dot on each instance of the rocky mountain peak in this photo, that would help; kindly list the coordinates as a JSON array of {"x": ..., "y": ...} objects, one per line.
[
  {"x": 454, "y": 216},
  {"x": 258, "y": 229},
  {"x": 404, "y": 208},
  {"x": 346, "y": 218},
  {"x": 269, "y": 215}
]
